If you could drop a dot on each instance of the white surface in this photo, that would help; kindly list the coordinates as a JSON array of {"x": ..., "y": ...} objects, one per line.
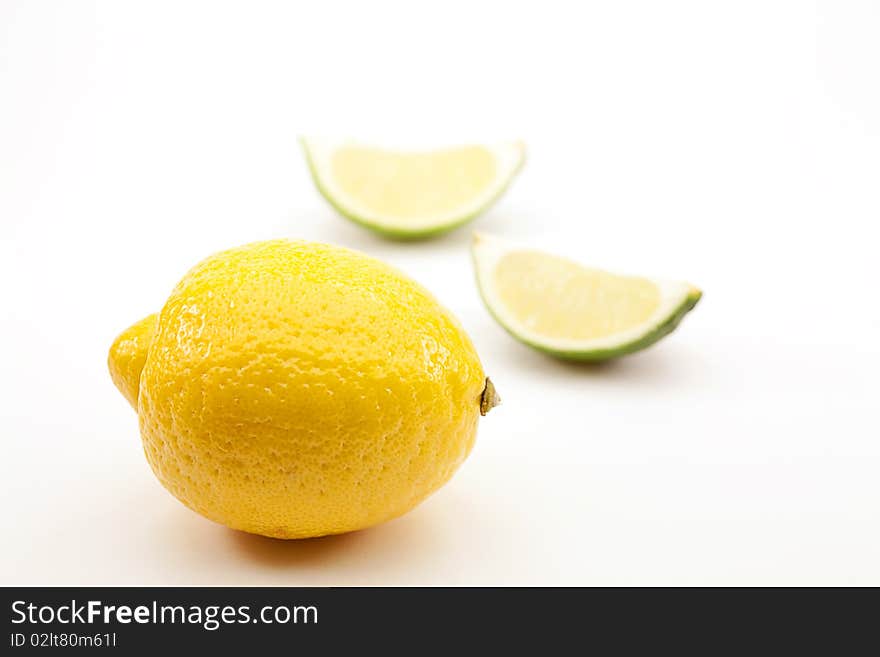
[{"x": 736, "y": 145}]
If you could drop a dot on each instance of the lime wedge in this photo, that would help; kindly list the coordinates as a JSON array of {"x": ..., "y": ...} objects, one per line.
[
  {"x": 410, "y": 195},
  {"x": 570, "y": 311}
]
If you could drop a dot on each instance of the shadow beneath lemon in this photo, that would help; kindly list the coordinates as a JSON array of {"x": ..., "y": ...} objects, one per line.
[
  {"x": 287, "y": 553},
  {"x": 360, "y": 557}
]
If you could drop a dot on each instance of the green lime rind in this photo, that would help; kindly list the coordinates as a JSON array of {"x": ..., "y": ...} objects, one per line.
[
  {"x": 656, "y": 334},
  {"x": 403, "y": 234}
]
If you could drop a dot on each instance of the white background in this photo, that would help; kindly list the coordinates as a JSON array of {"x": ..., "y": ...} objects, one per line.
[{"x": 732, "y": 144}]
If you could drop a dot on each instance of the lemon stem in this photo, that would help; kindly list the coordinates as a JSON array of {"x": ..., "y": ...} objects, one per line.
[{"x": 489, "y": 399}]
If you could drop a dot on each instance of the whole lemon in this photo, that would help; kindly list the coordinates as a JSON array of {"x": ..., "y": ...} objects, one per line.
[{"x": 295, "y": 389}]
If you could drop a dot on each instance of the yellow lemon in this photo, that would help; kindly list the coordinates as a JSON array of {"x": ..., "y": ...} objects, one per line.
[{"x": 295, "y": 389}]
